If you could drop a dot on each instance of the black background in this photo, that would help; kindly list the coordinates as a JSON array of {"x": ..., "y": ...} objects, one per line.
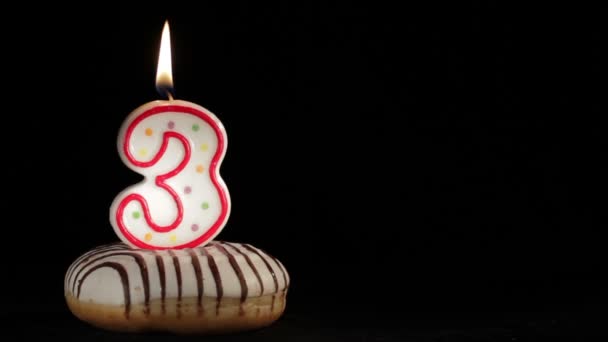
[{"x": 422, "y": 173}]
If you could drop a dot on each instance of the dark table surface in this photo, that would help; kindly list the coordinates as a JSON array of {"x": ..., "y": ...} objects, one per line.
[{"x": 293, "y": 326}]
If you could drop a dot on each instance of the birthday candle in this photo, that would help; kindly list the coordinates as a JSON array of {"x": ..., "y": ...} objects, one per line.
[{"x": 178, "y": 147}]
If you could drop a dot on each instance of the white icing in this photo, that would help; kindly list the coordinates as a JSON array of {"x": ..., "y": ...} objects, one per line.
[{"x": 104, "y": 285}]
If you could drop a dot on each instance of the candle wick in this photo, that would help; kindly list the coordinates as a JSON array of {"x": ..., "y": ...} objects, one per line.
[{"x": 165, "y": 91}]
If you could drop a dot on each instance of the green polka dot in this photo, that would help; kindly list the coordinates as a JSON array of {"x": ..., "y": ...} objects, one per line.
[
  {"x": 136, "y": 214},
  {"x": 195, "y": 127},
  {"x": 205, "y": 205}
]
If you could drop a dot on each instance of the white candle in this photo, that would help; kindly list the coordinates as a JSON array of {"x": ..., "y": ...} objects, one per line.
[{"x": 178, "y": 147}]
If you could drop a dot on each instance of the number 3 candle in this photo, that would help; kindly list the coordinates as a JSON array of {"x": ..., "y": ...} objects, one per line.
[{"x": 178, "y": 147}]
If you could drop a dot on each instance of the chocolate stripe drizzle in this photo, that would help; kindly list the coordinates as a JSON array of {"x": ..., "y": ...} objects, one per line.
[
  {"x": 124, "y": 279},
  {"x": 196, "y": 265},
  {"x": 239, "y": 273},
  {"x": 85, "y": 257},
  {"x": 178, "y": 275},
  {"x": 283, "y": 271},
  {"x": 143, "y": 270},
  {"x": 162, "y": 279},
  {"x": 95, "y": 251},
  {"x": 216, "y": 277},
  {"x": 270, "y": 269},
  {"x": 251, "y": 265}
]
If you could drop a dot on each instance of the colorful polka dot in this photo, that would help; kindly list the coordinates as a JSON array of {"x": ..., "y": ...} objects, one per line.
[
  {"x": 200, "y": 168},
  {"x": 173, "y": 238},
  {"x": 171, "y": 125},
  {"x": 149, "y": 132},
  {"x": 187, "y": 190},
  {"x": 148, "y": 236},
  {"x": 204, "y": 147},
  {"x": 143, "y": 152},
  {"x": 205, "y": 205},
  {"x": 195, "y": 127},
  {"x": 194, "y": 227},
  {"x": 136, "y": 215}
]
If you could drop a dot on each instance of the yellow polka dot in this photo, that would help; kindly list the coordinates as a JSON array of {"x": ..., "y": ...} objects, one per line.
[
  {"x": 148, "y": 236},
  {"x": 149, "y": 131},
  {"x": 172, "y": 238},
  {"x": 200, "y": 168},
  {"x": 204, "y": 147},
  {"x": 143, "y": 152}
]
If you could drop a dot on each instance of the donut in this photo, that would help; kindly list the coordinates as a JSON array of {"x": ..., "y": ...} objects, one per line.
[{"x": 216, "y": 288}]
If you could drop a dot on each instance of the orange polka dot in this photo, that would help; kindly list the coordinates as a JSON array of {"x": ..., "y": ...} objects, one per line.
[
  {"x": 148, "y": 236},
  {"x": 149, "y": 131},
  {"x": 200, "y": 168}
]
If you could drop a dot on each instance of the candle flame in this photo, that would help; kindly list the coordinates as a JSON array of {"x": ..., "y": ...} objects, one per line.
[{"x": 164, "y": 73}]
